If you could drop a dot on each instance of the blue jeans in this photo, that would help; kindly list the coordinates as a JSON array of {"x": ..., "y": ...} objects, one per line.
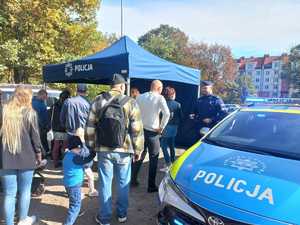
[
  {"x": 110, "y": 163},
  {"x": 74, "y": 194},
  {"x": 168, "y": 140},
  {"x": 14, "y": 181}
]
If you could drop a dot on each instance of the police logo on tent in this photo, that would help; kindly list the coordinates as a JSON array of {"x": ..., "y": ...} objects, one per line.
[{"x": 69, "y": 69}]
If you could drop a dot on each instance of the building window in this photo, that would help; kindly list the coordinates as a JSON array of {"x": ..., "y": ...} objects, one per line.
[
  {"x": 276, "y": 64},
  {"x": 257, "y": 80},
  {"x": 275, "y": 86},
  {"x": 267, "y": 87},
  {"x": 267, "y": 72},
  {"x": 250, "y": 66},
  {"x": 257, "y": 87},
  {"x": 258, "y": 72},
  {"x": 276, "y": 72},
  {"x": 267, "y": 79}
]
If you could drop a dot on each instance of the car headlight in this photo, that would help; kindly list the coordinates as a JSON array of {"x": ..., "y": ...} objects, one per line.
[{"x": 170, "y": 194}]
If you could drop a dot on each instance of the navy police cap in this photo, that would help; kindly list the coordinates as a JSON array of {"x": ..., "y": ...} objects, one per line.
[{"x": 118, "y": 79}]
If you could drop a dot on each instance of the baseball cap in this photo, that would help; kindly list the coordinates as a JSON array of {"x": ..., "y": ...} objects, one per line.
[
  {"x": 81, "y": 87},
  {"x": 118, "y": 79}
]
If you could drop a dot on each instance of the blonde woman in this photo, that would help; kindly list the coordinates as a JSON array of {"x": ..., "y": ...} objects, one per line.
[{"x": 20, "y": 152}]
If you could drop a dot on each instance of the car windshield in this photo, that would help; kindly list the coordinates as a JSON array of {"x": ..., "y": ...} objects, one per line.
[{"x": 260, "y": 132}]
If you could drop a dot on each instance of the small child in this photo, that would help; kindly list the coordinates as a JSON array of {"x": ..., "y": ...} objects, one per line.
[{"x": 76, "y": 156}]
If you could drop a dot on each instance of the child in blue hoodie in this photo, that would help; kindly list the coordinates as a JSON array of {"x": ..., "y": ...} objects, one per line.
[{"x": 74, "y": 162}]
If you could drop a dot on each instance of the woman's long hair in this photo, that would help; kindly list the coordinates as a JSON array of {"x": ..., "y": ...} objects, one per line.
[{"x": 13, "y": 118}]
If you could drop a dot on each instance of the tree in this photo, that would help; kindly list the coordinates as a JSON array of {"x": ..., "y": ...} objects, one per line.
[
  {"x": 166, "y": 42},
  {"x": 291, "y": 71},
  {"x": 38, "y": 32},
  {"x": 216, "y": 63}
]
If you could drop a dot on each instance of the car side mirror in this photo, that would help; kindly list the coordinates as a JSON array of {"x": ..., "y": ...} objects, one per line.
[{"x": 204, "y": 130}]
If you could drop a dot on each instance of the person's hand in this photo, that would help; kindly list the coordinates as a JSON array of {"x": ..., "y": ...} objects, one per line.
[
  {"x": 136, "y": 157},
  {"x": 192, "y": 116},
  {"x": 159, "y": 130},
  {"x": 38, "y": 158},
  {"x": 207, "y": 120}
]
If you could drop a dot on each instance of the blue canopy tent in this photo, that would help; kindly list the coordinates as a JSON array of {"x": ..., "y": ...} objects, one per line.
[{"x": 132, "y": 61}]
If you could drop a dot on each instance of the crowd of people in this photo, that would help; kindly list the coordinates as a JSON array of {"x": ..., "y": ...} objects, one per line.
[{"x": 118, "y": 129}]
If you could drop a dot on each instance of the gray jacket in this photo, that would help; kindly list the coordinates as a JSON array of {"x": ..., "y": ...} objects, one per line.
[{"x": 31, "y": 145}]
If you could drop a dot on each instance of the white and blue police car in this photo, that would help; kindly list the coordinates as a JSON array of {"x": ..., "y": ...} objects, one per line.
[{"x": 244, "y": 171}]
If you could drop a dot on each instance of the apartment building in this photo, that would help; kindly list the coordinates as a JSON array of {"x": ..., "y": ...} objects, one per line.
[{"x": 266, "y": 74}]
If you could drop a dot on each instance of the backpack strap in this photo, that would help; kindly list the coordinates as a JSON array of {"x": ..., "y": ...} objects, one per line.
[
  {"x": 124, "y": 100},
  {"x": 109, "y": 99}
]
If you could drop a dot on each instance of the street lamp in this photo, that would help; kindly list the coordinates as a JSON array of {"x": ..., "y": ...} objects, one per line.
[{"x": 121, "y": 18}]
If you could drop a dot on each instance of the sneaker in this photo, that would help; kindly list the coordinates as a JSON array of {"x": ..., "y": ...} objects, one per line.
[
  {"x": 93, "y": 193},
  {"x": 122, "y": 219},
  {"x": 98, "y": 221},
  {"x": 43, "y": 163},
  {"x": 30, "y": 220}
]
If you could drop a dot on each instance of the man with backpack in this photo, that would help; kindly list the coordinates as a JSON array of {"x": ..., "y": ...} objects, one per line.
[{"x": 115, "y": 130}]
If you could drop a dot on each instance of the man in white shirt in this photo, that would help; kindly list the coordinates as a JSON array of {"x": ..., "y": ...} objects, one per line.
[{"x": 151, "y": 104}]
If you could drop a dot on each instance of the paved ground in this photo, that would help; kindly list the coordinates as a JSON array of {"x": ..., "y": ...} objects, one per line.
[{"x": 51, "y": 208}]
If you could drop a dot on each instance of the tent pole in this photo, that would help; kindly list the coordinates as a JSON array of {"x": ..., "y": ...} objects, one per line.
[
  {"x": 128, "y": 86},
  {"x": 199, "y": 91}
]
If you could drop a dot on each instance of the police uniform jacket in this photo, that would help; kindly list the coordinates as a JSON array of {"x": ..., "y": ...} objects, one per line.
[{"x": 211, "y": 107}]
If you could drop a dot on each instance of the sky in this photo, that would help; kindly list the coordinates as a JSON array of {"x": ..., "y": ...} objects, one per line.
[{"x": 248, "y": 27}]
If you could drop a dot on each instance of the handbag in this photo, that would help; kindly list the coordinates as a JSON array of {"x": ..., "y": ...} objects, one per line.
[{"x": 50, "y": 133}]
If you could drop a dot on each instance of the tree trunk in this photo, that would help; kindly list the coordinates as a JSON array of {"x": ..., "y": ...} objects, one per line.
[{"x": 18, "y": 75}]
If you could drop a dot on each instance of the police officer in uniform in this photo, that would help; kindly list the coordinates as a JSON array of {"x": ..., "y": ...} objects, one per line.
[{"x": 209, "y": 108}]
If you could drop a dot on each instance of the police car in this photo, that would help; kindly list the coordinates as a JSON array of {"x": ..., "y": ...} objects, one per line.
[
  {"x": 244, "y": 171},
  {"x": 7, "y": 91}
]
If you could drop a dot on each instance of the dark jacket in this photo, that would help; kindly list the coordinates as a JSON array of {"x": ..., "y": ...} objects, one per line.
[
  {"x": 175, "y": 112},
  {"x": 74, "y": 114},
  {"x": 54, "y": 113},
  {"x": 30, "y": 142},
  {"x": 41, "y": 109},
  {"x": 211, "y": 107}
]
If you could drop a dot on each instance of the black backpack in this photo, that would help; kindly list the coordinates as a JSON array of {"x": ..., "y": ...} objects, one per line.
[{"x": 111, "y": 128}]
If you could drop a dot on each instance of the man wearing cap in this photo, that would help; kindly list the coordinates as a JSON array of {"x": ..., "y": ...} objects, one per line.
[
  {"x": 209, "y": 108},
  {"x": 75, "y": 111},
  {"x": 111, "y": 158}
]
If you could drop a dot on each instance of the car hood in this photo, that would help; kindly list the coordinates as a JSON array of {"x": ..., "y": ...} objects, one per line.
[{"x": 262, "y": 184}]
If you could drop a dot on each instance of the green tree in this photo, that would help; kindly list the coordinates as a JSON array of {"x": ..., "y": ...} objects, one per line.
[
  {"x": 291, "y": 71},
  {"x": 38, "y": 32},
  {"x": 166, "y": 42},
  {"x": 235, "y": 90}
]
